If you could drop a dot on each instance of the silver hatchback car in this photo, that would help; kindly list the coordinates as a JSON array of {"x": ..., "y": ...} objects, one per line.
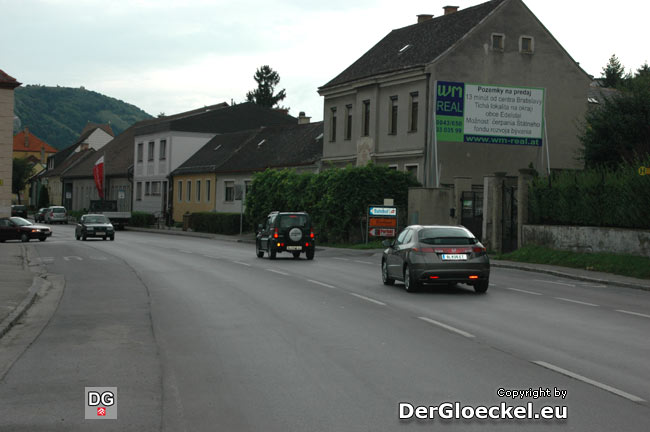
[
  {"x": 56, "y": 214},
  {"x": 435, "y": 254}
]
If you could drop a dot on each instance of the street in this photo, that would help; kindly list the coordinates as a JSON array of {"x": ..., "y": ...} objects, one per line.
[{"x": 201, "y": 335}]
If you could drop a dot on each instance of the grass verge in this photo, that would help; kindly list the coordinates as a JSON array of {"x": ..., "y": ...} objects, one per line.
[
  {"x": 371, "y": 245},
  {"x": 625, "y": 265}
]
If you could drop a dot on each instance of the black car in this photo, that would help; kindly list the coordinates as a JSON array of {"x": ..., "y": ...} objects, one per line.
[
  {"x": 286, "y": 232},
  {"x": 435, "y": 254},
  {"x": 94, "y": 225},
  {"x": 17, "y": 228},
  {"x": 39, "y": 216},
  {"x": 19, "y": 211}
]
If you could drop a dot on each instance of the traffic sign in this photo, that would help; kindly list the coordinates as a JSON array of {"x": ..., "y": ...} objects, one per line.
[
  {"x": 382, "y": 232},
  {"x": 389, "y": 222},
  {"x": 383, "y": 211}
]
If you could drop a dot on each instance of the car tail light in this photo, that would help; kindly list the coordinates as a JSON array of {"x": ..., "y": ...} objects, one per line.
[
  {"x": 479, "y": 250},
  {"x": 306, "y": 244},
  {"x": 473, "y": 277},
  {"x": 434, "y": 277},
  {"x": 276, "y": 234},
  {"x": 311, "y": 234},
  {"x": 423, "y": 249}
]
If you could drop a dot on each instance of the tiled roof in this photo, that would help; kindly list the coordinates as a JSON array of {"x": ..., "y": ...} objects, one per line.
[
  {"x": 256, "y": 150},
  {"x": 62, "y": 168},
  {"x": 35, "y": 143},
  {"x": 7, "y": 81},
  {"x": 90, "y": 127},
  {"x": 415, "y": 45}
]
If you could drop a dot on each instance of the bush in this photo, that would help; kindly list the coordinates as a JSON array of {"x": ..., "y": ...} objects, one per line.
[
  {"x": 218, "y": 223},
  {"x": 142, "y": 219}
]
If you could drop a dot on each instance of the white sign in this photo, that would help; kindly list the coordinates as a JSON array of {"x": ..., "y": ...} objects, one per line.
[{"x": 383, "y": 211}]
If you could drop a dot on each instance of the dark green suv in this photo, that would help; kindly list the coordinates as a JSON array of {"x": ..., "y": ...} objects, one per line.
[{"x": 286, "y": 232}]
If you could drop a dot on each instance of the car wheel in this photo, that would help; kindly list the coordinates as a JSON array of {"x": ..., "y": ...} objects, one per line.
[
  {"x": 258, "y": 251},
  {"x": 482, "y": 286},
  {"x": 296, "y": 255},
  {"x": 42, "y": 238},
  {"x": 410, "y": 283},
  {"x": 83, "y": 238},
  {"x": 24, "y": 238},
  {"x": 272, "y": 253},
  {"x": 112, "y": 238},
  {"x": 104, "y": 238},
  {"x": 310, "y": 254},
  {"x": 384, "y": 274}
]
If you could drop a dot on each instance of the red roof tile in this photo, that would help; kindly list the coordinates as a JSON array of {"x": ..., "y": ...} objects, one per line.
[
  {"x": 7, "y": 81},
  {"x": 35, "y": 143}
]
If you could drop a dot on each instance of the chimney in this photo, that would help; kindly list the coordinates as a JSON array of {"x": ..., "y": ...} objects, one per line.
[
  {"x": 43, "y": 154},
  {"x": 424, "y": 17},
  {"x": 450, "y": 9},
  {"x": 26, "y": 137},
  {"x": 303, "y": 119}
]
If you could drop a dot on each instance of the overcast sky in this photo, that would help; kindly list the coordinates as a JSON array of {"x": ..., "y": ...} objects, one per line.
[{"x": 171, "y": 55}]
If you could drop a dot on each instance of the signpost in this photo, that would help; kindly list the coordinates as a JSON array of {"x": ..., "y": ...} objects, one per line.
[{"x": 381, "y": 221}]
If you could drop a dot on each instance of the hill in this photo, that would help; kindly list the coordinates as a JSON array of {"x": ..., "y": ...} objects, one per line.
[{"x": 57, "y": 115}]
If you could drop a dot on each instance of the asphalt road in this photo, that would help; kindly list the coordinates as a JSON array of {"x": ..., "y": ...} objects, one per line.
[{"x": 200, "y": 335}]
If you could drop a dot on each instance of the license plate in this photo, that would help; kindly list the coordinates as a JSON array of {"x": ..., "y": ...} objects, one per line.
[
  {"x": 454, "y": 257},
  {"x": 294, "y": 248}
]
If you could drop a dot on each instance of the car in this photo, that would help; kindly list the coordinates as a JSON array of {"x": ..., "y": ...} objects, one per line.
[
  {"x": 94, "y": 225},
  {"x": 56, "y": 214},
  {"x": 17, "y": 228},
  {"x": 286, "y": 232},
  {"x": 19, "y": 210},
  {"x": 435, "y": 254},
  {"x": 39, "y": 216}
]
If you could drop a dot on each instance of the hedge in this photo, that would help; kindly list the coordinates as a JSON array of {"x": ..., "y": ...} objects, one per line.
[
  {"x": 142, "y": 219},
  {"x": 601, "y": 196},
  {"x": 218, "y": 223}
]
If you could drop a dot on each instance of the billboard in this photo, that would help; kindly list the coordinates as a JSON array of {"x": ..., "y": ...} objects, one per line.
[{"x": 489, "y": 114}]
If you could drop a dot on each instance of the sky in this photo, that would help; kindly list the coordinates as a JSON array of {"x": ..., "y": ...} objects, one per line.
[{"x": 170, "y": 56}]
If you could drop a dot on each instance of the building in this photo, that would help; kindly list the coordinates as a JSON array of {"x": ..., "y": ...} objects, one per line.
[
  {"x": 29, "y": 146},
  {"x": 7, "y": 86},
  {"x": 218, "y": 176},
  {"x": 162, "y": 145},
  {"x": 381, "y": 108}
]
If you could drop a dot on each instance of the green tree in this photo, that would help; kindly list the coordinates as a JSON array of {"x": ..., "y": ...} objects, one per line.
[
  {"x": 43, "y": 197},
  {"x": 267, "y": 79},
  {"x": 613, "y": 73},
  {"x": 22, "y": 170}
]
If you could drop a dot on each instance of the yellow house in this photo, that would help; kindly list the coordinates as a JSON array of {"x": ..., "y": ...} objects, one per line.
[
  {"x": 29, "y": 146},
  {"x": 192, "y": 193}
]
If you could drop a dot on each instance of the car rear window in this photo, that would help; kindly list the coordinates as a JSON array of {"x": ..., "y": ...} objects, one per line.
[
  {"x": 19, "y": 207},
  {"x": 288, "y": 221},
  {"x": 446, "y": 236},
  {"x": 95, "y": 219},
  {"x": 58, "y": 210}
]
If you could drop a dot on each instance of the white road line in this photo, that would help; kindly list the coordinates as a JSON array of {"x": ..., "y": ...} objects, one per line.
[
  {"x": 589, "y": 381},
  {"x": 633, "y": 313},
  {"x": 363, "y": 262},
  {"x": 368, "y": 299},
  {"x": 445, "y": 326},
  {"x": 556, "y": 283},
  {"x": 278, "y": 272},
  {"x": 185, "y": 251},
  {"x": 576, "y": 301},
  {"x": 341, "y": 259},
  {"x": 242, "y": 263},
  {"x": 524, "y": 291},
  {"x": 212, "y": 256},
  {"x": 320, "y": 283}
]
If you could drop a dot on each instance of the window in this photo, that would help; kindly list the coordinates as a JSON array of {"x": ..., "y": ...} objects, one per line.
[
  {"x": 392, "y": 167},
  {"x": 413, "y": 113},
  {"x": 163, "y": 149},
  {"x": 412, "y": 170},
  {"x": 180, "y": 191},
  {"x": 155, "y": 188},
  {"x": 366, "y": 118},
  {"x": 498, "y": 41},
  {"x": 189, "y": 191},
  {"x": 152, "y": 145},
  {"x": 348, "y": 122},
  {"x": 333, "y": 124},
  {"x": 138, "y": 191},
  {"x": 140, "y": 151},
  {"x": 198, "y": 191},
  {"x": 526, "y": 45},
  {"x": 230, "y": 190},
  {"x": 392, "y": 121},
  {"x": 207, "y": 190},
  {"x": 147, "y": 189}
]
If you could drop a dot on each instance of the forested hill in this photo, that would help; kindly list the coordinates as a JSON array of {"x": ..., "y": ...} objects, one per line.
[{"x": 57, "y": 115}]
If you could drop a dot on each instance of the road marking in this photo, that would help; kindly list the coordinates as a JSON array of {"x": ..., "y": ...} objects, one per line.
[
  {"x": 68, "y": 258},
  {"x": 185, "y": 251},
  {"x": 576, "y": 301},
  {"x": 212, "y": 256},
  {"x": 633, "y": 313},
  {"x": 589, "y": 381},
  {"x": 341, "y": 259},
  {"x": 278, "y": 272},
  {"x": 524, "y": 291},
  {"x": 447, "y": 327},
  {"x": 242, "y": 263},
  {"x": 363, "y": 262},
  {"x": 368, "y": 299},
  {"x": 99, "y": 258},
  {"x": 493, "y": 284},
  {"x": 320, "y": 283},
  {"x": 556, "y": 283},
  {"x": 47, "y": 259}
]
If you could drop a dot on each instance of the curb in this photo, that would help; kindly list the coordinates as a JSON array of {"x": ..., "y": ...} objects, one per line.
[{"x": 38, "y": 284}]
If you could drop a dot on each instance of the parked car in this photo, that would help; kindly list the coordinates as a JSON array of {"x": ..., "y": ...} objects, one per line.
[
  {"x": 17, "y": 228},
  {"x": 433, "y": 255},
  {"x": 94, "y": 225},
  {"x": 39, "y": 216},
  {"x": 56, "y": 214},
  {"x": 286, "y": 232},
  {"x": 19, "y": 210}
]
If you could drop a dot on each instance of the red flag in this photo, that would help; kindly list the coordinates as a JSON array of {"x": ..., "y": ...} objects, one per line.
[{"x": 98, "y": 173}]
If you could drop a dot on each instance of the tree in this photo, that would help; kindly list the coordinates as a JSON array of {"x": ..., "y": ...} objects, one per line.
[
  {"x": 613, "y": 73},
  {"x": 43, "y": 197},
  {"x": 22, "y": 170},
  {"x": 266, "y": 79}
]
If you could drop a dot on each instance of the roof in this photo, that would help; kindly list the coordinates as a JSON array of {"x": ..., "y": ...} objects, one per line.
[
  {"x": 220, "y": 119},
  {"x": 416, "y": 45},
  {"x": 256, "y": 150},
  {"x": 7, "y": 81},
  {"x": 90, "y": 128},
  {"x": 598, "y": 94},
  {"x": 60, "y": 169},
  {"x": 35, "y": 143}
]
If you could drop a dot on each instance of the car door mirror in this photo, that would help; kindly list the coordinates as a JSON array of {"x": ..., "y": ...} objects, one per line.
[
  {"x": 388, "y": 243},
  {"x": 260, "y": 227}
]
